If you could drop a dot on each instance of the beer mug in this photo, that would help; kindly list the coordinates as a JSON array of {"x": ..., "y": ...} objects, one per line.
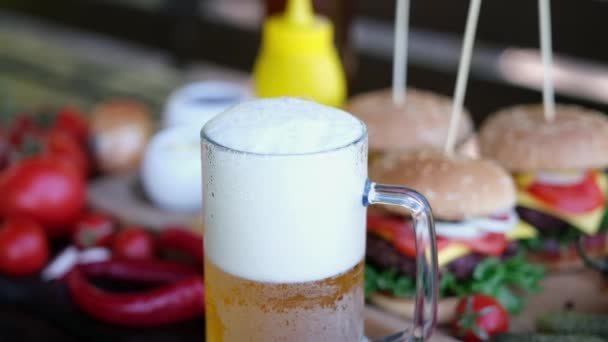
[{"x": 285, "y": 193}]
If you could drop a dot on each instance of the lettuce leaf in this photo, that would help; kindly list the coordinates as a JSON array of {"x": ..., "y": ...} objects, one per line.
[{"x": 506, "y": 280}]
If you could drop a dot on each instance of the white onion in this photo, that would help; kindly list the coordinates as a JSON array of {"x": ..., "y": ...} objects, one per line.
[
  {"x": 61, "y": 265},
  {"x": 69, "y": 257},
  {"x": 492, "y": 225},
  {"x": 91, "y": 255},
  {"x": 555, "y": 178},
  {"x": 477, "y": 227},
  {"x": 457, "y": 230}
]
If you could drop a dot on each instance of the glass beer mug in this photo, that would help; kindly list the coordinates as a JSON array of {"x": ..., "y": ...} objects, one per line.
[{"x": 285, "y": 192}]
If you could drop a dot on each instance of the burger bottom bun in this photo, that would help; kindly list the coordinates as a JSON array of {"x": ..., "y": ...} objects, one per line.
[{"x": 404, "y": 307}]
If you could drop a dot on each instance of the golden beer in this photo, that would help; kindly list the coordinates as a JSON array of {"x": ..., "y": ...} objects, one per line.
[{"x": 243, "y": 310}]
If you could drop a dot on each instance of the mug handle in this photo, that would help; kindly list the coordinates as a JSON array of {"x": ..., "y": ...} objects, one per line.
[{"x": 427, "y": 270}]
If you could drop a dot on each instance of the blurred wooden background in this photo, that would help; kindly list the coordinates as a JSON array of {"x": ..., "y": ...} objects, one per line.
[{"x": 226, "y": 32}]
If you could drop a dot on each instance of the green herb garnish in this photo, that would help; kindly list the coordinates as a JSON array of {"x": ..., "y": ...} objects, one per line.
[{"x": 504, "y": 280}]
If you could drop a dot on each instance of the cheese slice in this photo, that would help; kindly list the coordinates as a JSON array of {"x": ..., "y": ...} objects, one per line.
[
  {"x": 522, "y": 231},
  {"x": 588, "y": 223},
  {"x": 452, "y": 252},
  {"x": 457, "y": 250}
]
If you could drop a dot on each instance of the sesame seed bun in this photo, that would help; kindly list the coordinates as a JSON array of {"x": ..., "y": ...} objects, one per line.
[
  {"x": 423, "y": 119},
  {"x": 457, "y": 187},
  {"x": 522, "y": 140}
]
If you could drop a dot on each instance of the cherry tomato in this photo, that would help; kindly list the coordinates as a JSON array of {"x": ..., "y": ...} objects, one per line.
[
  {"x": 70, "y": 121},
  {"x": 573, "y": 199},
  {"x": 57, "y": 145},
  {"x": 48, "y": 191},
  {"x": 93, "y": 229},
  {"x": 62, "y": 146},
  {"x": 22, "y": 127},
  {"x": 479, "y": 318},
  {"x": 134, "y": 244},
  {"x": 24, "y": 247}
]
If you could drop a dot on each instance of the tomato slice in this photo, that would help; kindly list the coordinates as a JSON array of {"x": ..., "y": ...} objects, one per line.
[
  {"x": 574, "y": 199},
  {"x": 493, "y": 244},
  {"x": 399, "y": 231},
  {"x": 501, "y": 217}
]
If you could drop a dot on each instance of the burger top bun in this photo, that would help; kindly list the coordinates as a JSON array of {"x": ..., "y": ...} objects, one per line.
[
  {"x": 456, "y": 187},
  {"x": 522, "y": 140},
  {"x": 422, "y": 120}
]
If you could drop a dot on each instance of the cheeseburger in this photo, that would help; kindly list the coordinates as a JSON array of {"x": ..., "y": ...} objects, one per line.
[
  {"x": 557, "y": 166},
  {"x": 477, "y": 230},
  {"x": 422, "y": 120}
]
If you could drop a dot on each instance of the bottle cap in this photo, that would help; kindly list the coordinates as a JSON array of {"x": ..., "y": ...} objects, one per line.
[{"x": 297, "y": 30}]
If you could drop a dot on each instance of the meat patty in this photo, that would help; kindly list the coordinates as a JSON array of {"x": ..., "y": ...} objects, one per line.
[
  {"x": 545, "y": 223},
  {"x": 382, "y": 254}
]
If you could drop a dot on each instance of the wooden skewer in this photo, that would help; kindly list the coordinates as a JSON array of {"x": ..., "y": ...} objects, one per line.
[
  {"x": 400, "y": 51},
  {"x": 544, "y": 12},
  {"x": 463, "y": 75}
]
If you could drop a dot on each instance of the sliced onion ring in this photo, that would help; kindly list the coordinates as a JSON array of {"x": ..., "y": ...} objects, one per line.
[
  {"x": 61, "y": 265},
  {"x": 476, "y": 227},
  {"x": 560, "y": 178},
  {"x": 457, "y": 230},
  {"x": 491, "y": 225}
]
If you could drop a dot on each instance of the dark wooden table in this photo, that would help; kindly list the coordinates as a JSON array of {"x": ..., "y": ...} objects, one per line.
[{"x": 31, "y": 310}]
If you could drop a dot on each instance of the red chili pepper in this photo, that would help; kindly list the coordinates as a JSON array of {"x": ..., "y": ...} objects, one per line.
[
  {"x": 140, "y": 271},
  {"x": 168, "y": 304},
  {"x": 182, "y": 240}
]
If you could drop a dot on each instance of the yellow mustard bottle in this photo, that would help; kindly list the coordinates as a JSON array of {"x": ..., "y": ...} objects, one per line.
[{"x": 298, "y": 57}]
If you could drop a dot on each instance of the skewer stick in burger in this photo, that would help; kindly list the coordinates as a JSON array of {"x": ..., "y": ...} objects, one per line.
[
  {"x": 477, "y": 233},
  {"x": 557, "y": 166},
  {"x": 422, "y": 120}
]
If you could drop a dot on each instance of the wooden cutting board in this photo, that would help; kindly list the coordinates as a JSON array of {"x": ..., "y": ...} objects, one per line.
[
  {"x": 123, "y": 197},
  {"x": 583, "y": 291},
  {"x": 379, "y": 324}
]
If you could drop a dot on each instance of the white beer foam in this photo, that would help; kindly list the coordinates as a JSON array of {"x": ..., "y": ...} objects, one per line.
[
  {"x": 283, "y": 126},
  {"x": 284, "y": 218}
]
